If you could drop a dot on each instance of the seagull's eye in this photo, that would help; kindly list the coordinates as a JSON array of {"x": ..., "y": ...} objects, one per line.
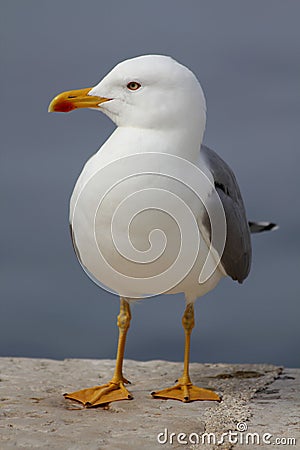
[{"x": 133, "y": 85}]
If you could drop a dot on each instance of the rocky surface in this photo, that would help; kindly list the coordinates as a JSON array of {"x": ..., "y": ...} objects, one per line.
[{"x": 34, "y": 415}]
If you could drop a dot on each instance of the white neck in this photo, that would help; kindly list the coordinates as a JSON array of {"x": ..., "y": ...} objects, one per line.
[{"x": 184, "y": 142}]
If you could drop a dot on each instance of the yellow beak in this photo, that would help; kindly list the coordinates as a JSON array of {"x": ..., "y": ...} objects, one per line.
[{"x": 70, "y": 100}]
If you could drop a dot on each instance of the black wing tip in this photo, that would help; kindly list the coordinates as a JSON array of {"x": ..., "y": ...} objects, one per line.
[{"x": 258, "y": 227}]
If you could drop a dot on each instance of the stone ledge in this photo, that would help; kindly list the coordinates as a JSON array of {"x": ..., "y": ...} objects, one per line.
[{"x": 35, "y": 415}]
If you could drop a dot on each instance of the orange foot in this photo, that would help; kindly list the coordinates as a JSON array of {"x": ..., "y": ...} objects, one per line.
[
  {"x": 101, "y": 395},
  {"x": 186, "y": 392}
]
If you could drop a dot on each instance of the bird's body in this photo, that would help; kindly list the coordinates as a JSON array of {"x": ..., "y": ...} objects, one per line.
[
  {"x": 82, "y": 214},
  {"x": 154, "y": 211}
]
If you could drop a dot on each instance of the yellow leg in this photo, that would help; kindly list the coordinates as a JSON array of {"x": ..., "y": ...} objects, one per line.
[
  {"x": 184, "y": 390},
  {"x": 115, "y": 389}
]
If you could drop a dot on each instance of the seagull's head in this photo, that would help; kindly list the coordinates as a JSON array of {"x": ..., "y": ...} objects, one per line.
[{"x": 150, "y": 91}]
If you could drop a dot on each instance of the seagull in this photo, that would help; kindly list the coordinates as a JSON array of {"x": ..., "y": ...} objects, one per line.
[{"x": 152, "y": 192}]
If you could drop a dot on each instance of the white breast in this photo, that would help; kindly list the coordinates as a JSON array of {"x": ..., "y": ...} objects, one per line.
[{"x": 120, "y": 198}]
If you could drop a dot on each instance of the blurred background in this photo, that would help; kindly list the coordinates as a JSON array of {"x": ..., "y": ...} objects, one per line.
[{"x": 246, "y": 56}]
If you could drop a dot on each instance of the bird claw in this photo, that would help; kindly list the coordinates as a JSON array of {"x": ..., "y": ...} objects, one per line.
[
  {"x": 186, "y": 393},
  {"x": 101, "y": 395}
]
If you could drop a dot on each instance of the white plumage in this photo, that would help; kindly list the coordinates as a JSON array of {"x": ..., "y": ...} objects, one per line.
[{"x": 165, "y": 116}]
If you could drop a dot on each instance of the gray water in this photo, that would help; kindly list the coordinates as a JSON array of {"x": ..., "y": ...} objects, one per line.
[{"x": 246, "y": 55}]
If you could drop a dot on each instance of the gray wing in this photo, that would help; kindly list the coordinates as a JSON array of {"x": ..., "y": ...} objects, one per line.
[{"x": 236, "y": 258}]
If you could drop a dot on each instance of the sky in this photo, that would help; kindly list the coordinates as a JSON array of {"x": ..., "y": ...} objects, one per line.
[{"x": 246, "y": 56}]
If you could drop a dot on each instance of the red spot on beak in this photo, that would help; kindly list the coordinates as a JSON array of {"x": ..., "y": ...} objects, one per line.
[{"x": 64, "y": 106}]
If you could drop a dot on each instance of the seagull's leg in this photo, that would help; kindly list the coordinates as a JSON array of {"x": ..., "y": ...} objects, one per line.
[
  {"x": 184, "y": 390},
  {"x": 115, "y": 389}
]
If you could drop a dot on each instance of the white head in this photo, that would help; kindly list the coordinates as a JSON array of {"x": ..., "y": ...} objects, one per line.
[{"x": 151, "y": 91}]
